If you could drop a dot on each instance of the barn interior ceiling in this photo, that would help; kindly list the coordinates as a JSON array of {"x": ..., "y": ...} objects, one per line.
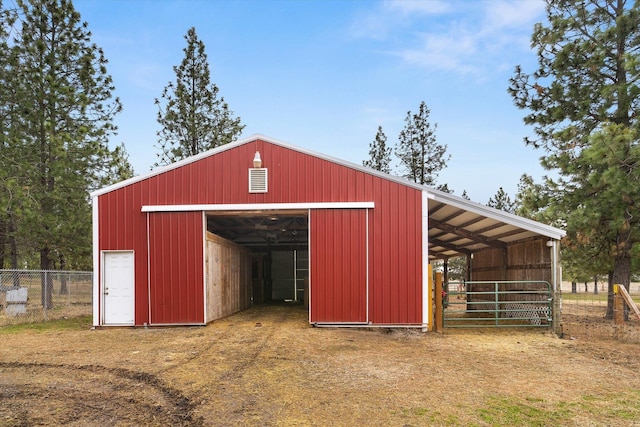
[{"x": 259, "y": 231}]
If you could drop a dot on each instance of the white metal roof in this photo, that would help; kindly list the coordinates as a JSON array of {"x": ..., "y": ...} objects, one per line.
[{"x": 458, "y": 226}]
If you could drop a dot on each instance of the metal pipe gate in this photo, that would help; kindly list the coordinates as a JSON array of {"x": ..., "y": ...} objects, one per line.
[{"x": 498, "y": 304}]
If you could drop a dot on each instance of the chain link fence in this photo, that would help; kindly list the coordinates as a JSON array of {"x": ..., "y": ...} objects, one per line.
[{"x": 35, "y": 295}]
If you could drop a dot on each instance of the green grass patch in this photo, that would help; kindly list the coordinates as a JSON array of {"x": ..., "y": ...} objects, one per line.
[
  {"x": 510, "y": 411},
  {"x": 68, "y": 324},
  {"x": 602, "y": 410},
  {"x": 622, "y": 406},
  {"x": 626, "y": 406}
]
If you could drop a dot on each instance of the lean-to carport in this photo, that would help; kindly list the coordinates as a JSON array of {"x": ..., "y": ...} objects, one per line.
[{"x": 511, "y": 260}]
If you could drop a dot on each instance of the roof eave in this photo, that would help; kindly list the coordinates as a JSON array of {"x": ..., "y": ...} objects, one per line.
[{"x": 496, "y": 214}]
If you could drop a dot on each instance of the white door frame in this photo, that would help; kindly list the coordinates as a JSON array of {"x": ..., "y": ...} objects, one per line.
[{"x": 103, "y": 290}]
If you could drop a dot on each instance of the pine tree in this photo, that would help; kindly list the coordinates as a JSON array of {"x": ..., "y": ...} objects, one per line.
[
  {"x": 583, "y": 101},
  {"x": 379, "y": 153},
  {"x": 445, "y": 188},
  {"x": 192, "y": 115},
  {"x": 502, "y": 201},
  {"x": 120, "y": 168},
  {"x": 419, "y": 153},
  {"x": 8, "y": 156},
  {"x": 66, "y": 111}
]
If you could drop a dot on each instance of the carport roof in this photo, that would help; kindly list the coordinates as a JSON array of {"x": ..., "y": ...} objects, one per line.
[
  {"x": 457, "y": 226},
  {"x": 460, "y": 227}
]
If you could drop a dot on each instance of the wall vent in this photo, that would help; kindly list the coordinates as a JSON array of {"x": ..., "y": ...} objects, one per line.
[{"x": 258, "y": 180}]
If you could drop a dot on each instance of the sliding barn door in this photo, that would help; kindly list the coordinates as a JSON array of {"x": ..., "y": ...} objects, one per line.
[{"x": 338, "y": 250}]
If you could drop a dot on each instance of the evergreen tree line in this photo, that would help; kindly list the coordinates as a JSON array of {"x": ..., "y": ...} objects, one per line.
[
  {"x": 57, "y": 110},
  {"x": 421, "y": 156},
  {"x": 582, "y": 103},
  {"x": 56, "y": 117}
]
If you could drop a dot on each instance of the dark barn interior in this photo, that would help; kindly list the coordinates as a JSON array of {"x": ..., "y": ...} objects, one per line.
[{"x": 279, "y": 243}]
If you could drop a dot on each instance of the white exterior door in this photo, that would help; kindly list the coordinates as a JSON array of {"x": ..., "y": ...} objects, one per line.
[{"x": 118, "y": 280}]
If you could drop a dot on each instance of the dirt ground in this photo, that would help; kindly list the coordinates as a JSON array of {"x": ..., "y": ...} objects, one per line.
[{"x": 267, "y": 367}]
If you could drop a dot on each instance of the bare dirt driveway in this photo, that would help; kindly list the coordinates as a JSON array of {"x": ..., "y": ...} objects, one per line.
[{"x": 268, "y": 367}]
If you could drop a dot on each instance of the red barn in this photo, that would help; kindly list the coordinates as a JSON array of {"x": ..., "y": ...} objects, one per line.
[{"x": 260, "y": 220}]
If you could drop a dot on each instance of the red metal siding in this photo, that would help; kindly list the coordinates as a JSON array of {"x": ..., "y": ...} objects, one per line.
[
  {"x": 176, "y": 267},
  {"x": 395, "y": 227},
  {"x": 122, "y": 226},
  {"x": 339, "y": 266},
  {"x": 395, "y": 255}
]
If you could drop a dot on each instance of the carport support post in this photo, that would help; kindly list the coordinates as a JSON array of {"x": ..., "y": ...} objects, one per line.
[
  {"x": 556, "y": 289},
  {"x": 439, "y": 297}
]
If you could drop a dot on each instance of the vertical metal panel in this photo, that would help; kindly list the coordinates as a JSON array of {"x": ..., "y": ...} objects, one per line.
[
  {"x": 122, "y": 227},
  {"x": 176, "y": 246},
  {"x": 339, "y": 276},
  {"x": 395, "y": 228}
]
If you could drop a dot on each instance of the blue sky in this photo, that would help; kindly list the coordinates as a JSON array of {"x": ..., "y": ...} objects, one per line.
[{"x": 324, "y": 75}]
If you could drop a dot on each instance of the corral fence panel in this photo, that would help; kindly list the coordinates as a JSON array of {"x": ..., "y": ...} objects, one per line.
[
  {"x": 498, "y": 304},
  {"x": 36, "y": 295}
]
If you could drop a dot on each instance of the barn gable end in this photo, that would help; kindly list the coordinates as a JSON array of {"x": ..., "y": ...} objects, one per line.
[{"x": 169, "y": 246}]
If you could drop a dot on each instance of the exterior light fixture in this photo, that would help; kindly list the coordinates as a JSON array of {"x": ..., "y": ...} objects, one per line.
[
  {"x": 257, "y": 175},
  {"x": 257, "y": 161}
]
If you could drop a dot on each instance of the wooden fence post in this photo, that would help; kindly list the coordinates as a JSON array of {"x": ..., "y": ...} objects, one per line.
[
  {"x": 618, "y": 306},
  {"x": 630, "y": 302}
]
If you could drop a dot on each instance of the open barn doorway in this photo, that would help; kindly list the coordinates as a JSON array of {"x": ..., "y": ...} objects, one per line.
[{"x": 279, "y": 245}]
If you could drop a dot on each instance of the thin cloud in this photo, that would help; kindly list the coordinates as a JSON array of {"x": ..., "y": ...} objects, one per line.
[
  {"x": 461, "y": 37},
  {"x": 509, "y": 14},
  {"x": 432, "y": 7},
  {"x": 447, "y": 52},
  {"x": 386, "y": 18}
]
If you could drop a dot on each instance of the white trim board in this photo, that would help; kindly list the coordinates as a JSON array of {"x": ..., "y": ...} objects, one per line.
[
  {"x": 97, "y": 284},
  {"x": 258, "y": 207},
  {"x": 426, "y": 290}
]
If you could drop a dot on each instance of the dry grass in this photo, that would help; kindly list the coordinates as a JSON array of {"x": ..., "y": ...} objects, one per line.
[{"x": 268, "y": 367}]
